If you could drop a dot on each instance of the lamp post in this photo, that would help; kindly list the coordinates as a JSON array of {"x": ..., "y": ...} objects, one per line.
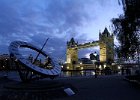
[{"x": 95, "y": 58}]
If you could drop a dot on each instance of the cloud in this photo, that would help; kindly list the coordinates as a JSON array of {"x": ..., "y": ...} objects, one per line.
[
  {"x": 36, "y": 20},
  {"x": 54, "y": 17},
  {"x": 31, "y": 21}
]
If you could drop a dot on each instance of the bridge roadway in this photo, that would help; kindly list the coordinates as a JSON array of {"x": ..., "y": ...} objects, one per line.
[
  {"x": 90, "y": 44},
  {"x": 86, "y": 45}
]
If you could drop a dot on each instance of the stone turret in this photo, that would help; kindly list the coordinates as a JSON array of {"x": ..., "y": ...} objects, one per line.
[
  {"x": 106, "y": 42},
  {"x": 71, "y": 43},
  {"x": 105, "y": 34},
  {"x": 72, "y": 54}
]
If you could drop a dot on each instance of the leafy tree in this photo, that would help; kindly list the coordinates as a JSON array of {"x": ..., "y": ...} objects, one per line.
[{"x": 127, "y": 28}]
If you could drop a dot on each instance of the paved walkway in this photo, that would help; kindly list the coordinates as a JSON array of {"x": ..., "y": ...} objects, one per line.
[{"x": 102, "y": 88}]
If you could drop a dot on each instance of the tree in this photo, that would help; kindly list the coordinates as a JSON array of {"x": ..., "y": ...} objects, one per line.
[{"x": 127, "y": 28}]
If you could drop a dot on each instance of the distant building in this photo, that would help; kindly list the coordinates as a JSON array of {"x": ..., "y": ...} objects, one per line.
[
  {"x": 84, "y": 61},
  {"x": 94, "y": 56},
  {"x": 5, "y": 62},
  {"x": 4, "y": 56}
]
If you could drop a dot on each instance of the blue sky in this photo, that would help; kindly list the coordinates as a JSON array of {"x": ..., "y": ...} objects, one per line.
[{"x": 36, "y": 20}]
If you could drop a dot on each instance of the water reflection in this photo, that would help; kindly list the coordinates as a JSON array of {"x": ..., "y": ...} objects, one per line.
[{"x": 69, "y": 73}]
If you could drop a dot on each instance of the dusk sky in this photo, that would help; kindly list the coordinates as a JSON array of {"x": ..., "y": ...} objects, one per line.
[{"x": 36, "y": 20}]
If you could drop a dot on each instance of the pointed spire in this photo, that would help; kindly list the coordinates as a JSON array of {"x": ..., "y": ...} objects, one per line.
[
  {"x": 106, "y": 32},
  {"x": 72, "y": 39},
  {"x": 99, "y": 31}
]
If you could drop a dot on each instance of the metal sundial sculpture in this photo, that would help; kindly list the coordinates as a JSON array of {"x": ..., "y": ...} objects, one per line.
[{"x": 29, "y": 71}]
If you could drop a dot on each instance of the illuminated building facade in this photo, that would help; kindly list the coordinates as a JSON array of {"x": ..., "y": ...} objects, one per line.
[
  {"x": 72, "y": 53},
  {"x": 106, "y": 43}
]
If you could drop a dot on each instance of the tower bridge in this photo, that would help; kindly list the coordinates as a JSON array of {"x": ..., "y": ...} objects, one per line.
[{"x": 105, "y": 42}]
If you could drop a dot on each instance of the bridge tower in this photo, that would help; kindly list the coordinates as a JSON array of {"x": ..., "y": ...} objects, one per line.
[
  {"x": 72, "y": 53},
  {"x": 106, "y": 43}
]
